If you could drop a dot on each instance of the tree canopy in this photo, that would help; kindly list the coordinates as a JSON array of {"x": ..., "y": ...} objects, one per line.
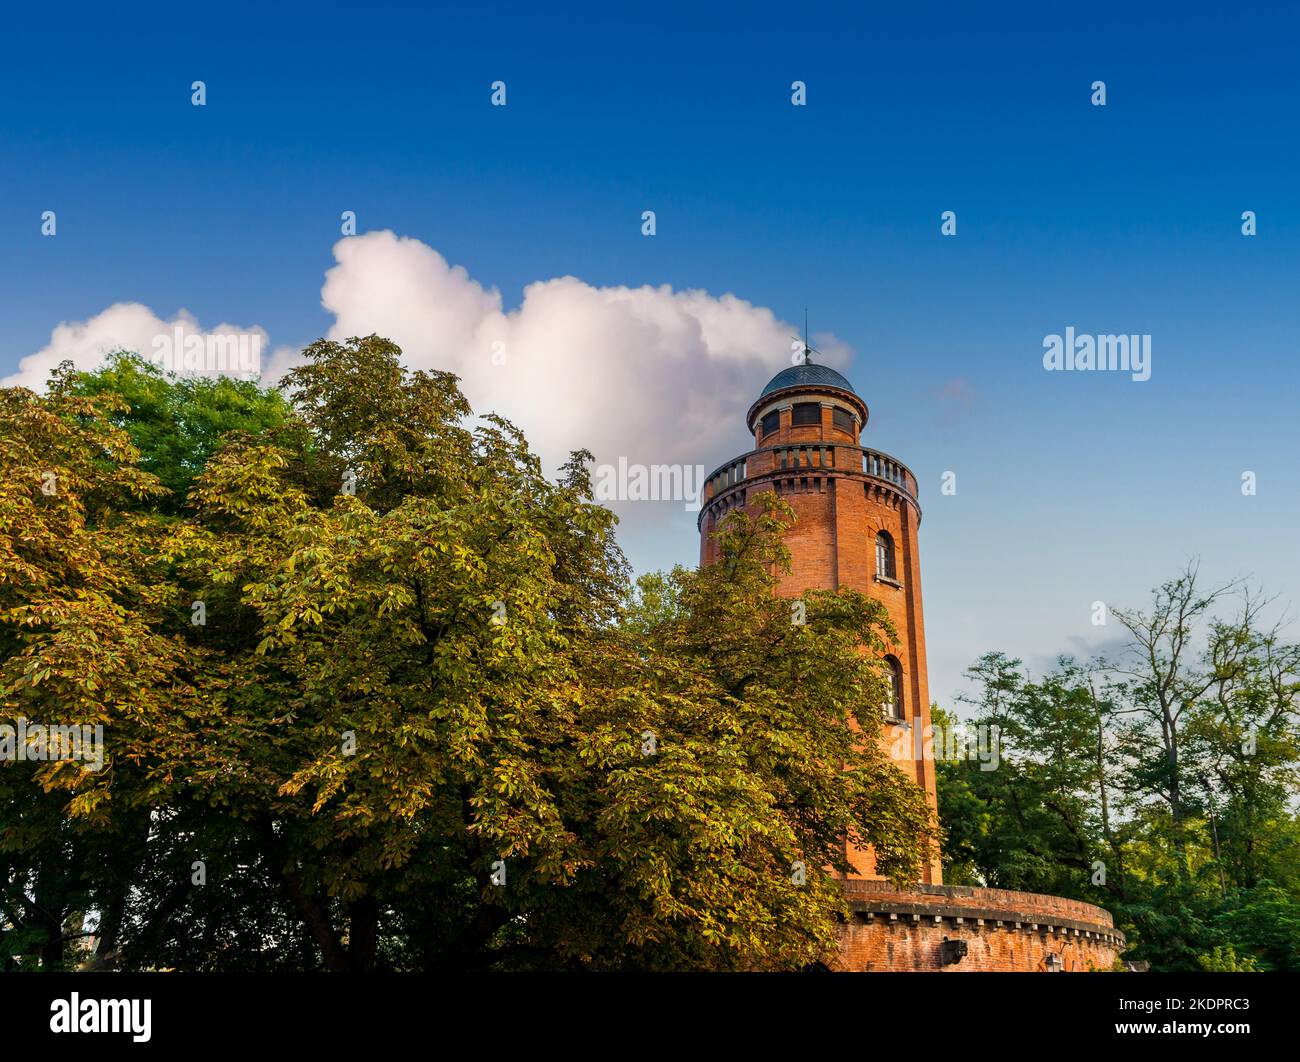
[
  {"x": 377, "y": 693},
  {"x": 1159, "y": 783}
]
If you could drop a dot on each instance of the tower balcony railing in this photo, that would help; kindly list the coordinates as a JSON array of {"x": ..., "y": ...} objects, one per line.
[{"x": 802, "y": 458}]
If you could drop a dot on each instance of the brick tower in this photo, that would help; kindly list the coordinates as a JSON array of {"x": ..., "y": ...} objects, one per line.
[{"x": 856, "y": 527}]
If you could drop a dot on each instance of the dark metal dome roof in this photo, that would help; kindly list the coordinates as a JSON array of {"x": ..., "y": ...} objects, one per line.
[{"x": 808, "y": 374}]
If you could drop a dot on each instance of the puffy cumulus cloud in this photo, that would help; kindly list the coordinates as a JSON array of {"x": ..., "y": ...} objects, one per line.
[
  {"x": 132, "y": 326},
  {"x": 649, "y": 374}
]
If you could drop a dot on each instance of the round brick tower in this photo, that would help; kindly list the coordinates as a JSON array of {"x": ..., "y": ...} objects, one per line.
[
  {"x": 857, "y": 518},
  {"x": 856, "y": 527}
]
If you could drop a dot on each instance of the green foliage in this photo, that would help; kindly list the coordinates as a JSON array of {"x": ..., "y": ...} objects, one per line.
[
  {"x": 177, "y": 423},
  {"x": 426, "y": 723},
  {"x": 1223, "y": 959},
  {"x": 1173, "y": 772}
]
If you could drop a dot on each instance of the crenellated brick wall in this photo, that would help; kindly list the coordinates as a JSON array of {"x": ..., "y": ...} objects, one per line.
[{"x": 904, "y": 930}]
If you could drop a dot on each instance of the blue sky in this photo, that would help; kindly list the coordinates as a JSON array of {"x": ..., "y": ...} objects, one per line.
[{"x": 1125, "y": 218}]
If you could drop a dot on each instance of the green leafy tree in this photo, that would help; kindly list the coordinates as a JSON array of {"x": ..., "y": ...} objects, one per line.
[
  {"x": 377, "y": 695},
  {"x": 176, "y": 423},
  {"x": 1172, "y": 772},
  {"x": 85, "y": 642}
]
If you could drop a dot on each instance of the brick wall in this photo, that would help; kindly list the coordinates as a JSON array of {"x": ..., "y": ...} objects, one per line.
[
  {"x": 904, "y": 930},
  {"x": 877, "y": 945},
  {"x": 838, "y": 513}
]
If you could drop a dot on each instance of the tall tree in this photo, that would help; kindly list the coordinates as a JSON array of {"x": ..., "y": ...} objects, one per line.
[
  {"x": 1166, "y": 685},
  {"x": 378, "y": 694}
]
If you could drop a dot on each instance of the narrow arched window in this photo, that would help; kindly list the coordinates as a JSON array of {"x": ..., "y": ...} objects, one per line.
[
  {"x": 894, "y": 698},
  {"x": 885, "y": 556}
]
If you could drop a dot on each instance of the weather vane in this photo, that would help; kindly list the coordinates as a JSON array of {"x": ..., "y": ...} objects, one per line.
[{"x": 808, "y": 351}]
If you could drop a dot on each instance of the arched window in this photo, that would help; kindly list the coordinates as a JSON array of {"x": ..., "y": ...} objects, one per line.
[
  {"x": 885, "y": 556},
  {"x": 894, "y": 703}
]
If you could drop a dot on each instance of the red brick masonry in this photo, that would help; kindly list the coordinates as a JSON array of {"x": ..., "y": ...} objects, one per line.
[
  {"x": 904, "y": 930},
  {"x": 845, "y": 495}
]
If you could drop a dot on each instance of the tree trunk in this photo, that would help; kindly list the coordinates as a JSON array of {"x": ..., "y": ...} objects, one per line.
[
  {"x": 314, "y": 915},
  {"x": 363, "y": 933}
]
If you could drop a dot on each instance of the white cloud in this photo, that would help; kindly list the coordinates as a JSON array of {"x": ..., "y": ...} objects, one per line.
[
  {"x": 123, "y": 326},
  {"x": 651, "y": 374}
]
